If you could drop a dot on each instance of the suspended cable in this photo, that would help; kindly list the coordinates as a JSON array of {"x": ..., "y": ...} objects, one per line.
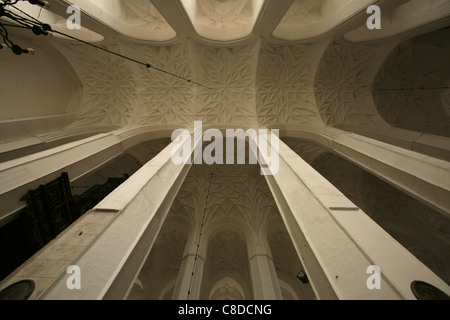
[
  {"x": 149, "y": 66},
  {"x": 199, "y": 238},
  {"x": 31, "y": 17},
  {"x": 39, "y": 28}
]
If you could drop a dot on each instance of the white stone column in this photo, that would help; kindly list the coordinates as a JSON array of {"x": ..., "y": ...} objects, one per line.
[
  {"x": 263, "y": 274},
  {"x": 77, "y": 158},
  {"x": 336, "y": 241},
  {"x": 110, "y": 266},
  {"x": 422, "y": 177},
  {"x": 428, "y": 144},
  {"x": 190, "y": 278}
]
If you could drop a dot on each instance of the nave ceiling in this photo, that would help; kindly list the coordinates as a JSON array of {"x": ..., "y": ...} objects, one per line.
[{"x": 260, "y": 79}]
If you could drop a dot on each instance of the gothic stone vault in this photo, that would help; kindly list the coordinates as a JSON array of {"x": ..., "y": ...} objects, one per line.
[{"x": 364, "y": 148}]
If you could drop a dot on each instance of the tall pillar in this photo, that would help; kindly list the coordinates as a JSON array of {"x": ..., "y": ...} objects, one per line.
[
  {"x": 190, "y": 278},
  {"x": 110, "y": 266},
  {"x": 77, "y": 158},
  {"x": 428, "y": 144},
  {"x": 263, "y": 274},
  {"x": 418, "y": 175},
  {"x": 336, "y": 241}
]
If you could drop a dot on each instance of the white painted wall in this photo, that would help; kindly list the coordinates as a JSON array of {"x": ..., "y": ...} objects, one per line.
[{"x": 39, "y": 87}]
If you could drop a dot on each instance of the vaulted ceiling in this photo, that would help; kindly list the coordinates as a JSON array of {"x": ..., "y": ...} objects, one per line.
[{"x": 269, "y": 63}]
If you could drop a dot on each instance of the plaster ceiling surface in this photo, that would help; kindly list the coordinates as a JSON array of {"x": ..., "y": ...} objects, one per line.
[
  {"x": 138, "y": 19},
  {"x": 143, "y": 14},
  {"x": 303, "y": 12},
  {"x": 224, "y": 13},
  {"x": 223, "y": 19},
  {"x": 405, "y": 17},
  {"x": 256, "y": 80},
  {"x": 409, "y": 86},
  {"x": 57, "y": 22},
  {"x": 312, "y": 18}
]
